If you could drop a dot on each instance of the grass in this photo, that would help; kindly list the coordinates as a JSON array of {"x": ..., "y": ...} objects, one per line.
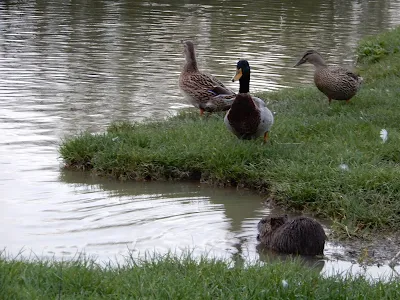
[
  {"x": 377, "y": 47},
  {"x": 172, "y": 277},
  {"x": 299, "y": 169}
]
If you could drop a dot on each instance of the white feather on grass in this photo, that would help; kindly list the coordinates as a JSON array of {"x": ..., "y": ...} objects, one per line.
[
  {"x": 384, "y": 135},
  {"x": 285, "y": 284}
]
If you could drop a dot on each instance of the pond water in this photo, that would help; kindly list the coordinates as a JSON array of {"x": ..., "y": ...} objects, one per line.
[{"x": 69, "y": 66}]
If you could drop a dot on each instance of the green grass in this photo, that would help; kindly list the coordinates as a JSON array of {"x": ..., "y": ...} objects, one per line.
[
  {"x": 377, "y": 47},
  {"x": 172, "y": 277},
  {"x": 298, "y": 169}
]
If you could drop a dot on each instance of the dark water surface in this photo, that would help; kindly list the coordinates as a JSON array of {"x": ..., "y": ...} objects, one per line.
[{"x": 68, "y": 66}]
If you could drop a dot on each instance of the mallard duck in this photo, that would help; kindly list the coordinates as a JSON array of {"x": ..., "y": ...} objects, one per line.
[
  {"x": 248, "y": 117},
  {"x": 202, "y": 90},
  {"x": 335, "y": 82}
]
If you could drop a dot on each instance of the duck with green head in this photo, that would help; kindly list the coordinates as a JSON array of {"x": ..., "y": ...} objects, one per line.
[
  {"x": 202, "y": 90},
  {"x": 248, "y": 117},
  {"x": 336, "y": 82}
]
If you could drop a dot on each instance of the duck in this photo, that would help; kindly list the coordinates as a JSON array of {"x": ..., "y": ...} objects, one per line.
[
  {"x": 249, "y": 117},
  {"x": 202, "y": 90},
  {"x": 336, "y": 82}
]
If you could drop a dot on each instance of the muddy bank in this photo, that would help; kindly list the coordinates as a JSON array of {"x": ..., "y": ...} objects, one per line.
[{"x": 376, "y": 250}]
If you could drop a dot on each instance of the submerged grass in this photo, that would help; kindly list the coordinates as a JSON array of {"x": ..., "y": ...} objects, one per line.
[
  {"x": 327, "y": 159},
  {"x": 172, "y": 277}
]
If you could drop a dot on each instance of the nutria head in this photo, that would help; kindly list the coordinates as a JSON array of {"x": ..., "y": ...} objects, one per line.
[{"x": 267, "y": 225}]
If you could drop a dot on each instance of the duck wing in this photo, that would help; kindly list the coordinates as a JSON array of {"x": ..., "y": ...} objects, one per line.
[
  {"x": 258, "y": 102},
  {"x": 340, "y": 71},
  {"x": 221, "y": 91},
  {"x": 202, "y": 82}
]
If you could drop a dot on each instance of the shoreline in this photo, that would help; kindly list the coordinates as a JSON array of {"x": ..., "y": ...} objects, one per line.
[{"x": 328, "y": 160}]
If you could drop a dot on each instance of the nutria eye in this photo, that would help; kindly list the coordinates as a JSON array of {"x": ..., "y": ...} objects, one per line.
[{"x": 263, "y": 221}]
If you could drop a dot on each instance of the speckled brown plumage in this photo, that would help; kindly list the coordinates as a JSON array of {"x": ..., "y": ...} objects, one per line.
[
  {"x": 202, "y": 90},
  {"x": 337, "y": 83}
]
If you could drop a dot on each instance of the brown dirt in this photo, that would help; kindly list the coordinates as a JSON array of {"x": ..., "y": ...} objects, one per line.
[{"x": 377, "y": 250}]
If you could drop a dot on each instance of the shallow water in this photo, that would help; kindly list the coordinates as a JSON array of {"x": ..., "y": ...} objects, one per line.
[{"x": 66, "y": 67}]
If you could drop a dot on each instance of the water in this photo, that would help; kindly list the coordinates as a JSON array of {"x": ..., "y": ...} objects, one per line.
[
  {"x": 67, "y": 67},
  {"x": 107, "y": 217}
]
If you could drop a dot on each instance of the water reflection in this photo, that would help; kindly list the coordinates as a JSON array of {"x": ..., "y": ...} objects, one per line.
[
  {"x": 68, "y": 66},
  {"x": 107, "y": 217},
  {"x": 103, "y": 60},
  {"x": 268, "y": 256}
]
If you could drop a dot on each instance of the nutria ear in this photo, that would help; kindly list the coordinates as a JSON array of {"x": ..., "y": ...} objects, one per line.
[{"x": 276, "y": 222}]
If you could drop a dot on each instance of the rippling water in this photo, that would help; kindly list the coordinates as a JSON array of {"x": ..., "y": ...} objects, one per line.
[
  {"x": 67, "y": 67},
  {"x": 107, "y": 217}
]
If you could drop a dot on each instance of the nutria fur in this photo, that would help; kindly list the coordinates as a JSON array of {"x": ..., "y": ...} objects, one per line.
[{"x": 300, "y": 235}]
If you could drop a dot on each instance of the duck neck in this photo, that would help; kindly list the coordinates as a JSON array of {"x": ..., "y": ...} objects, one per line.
[
  {"x": 318, "y": 62},
  {"x": 244, "y": 83},
  {"x": 191, "y": 63}
]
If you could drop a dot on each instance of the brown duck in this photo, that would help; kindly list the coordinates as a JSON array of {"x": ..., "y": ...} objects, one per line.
[
  {"x": 337, "y": 83},
  {"x": 202, "y": 90}
]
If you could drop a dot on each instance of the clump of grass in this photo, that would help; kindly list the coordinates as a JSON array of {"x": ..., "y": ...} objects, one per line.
[
  {"x": 173, "y": 277},
  {"x": 377, "y": 47},
  {"x": 302, "y": 167}
]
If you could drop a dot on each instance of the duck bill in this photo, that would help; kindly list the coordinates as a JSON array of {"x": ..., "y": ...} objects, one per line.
[
  {"x": 238, "y": 75},
  {"x": 300, "y": 62}
]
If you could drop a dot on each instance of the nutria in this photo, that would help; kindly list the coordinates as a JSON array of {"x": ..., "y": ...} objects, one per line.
[{"x": 300, "y": 235}]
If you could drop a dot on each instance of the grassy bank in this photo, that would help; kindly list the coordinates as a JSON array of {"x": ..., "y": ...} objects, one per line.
[
  {"x": 326, "y": 159},
  {"x": 170, "y": 277}
]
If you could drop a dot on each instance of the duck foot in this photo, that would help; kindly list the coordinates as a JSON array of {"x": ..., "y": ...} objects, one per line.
[{"x": 266, "y": 137}]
